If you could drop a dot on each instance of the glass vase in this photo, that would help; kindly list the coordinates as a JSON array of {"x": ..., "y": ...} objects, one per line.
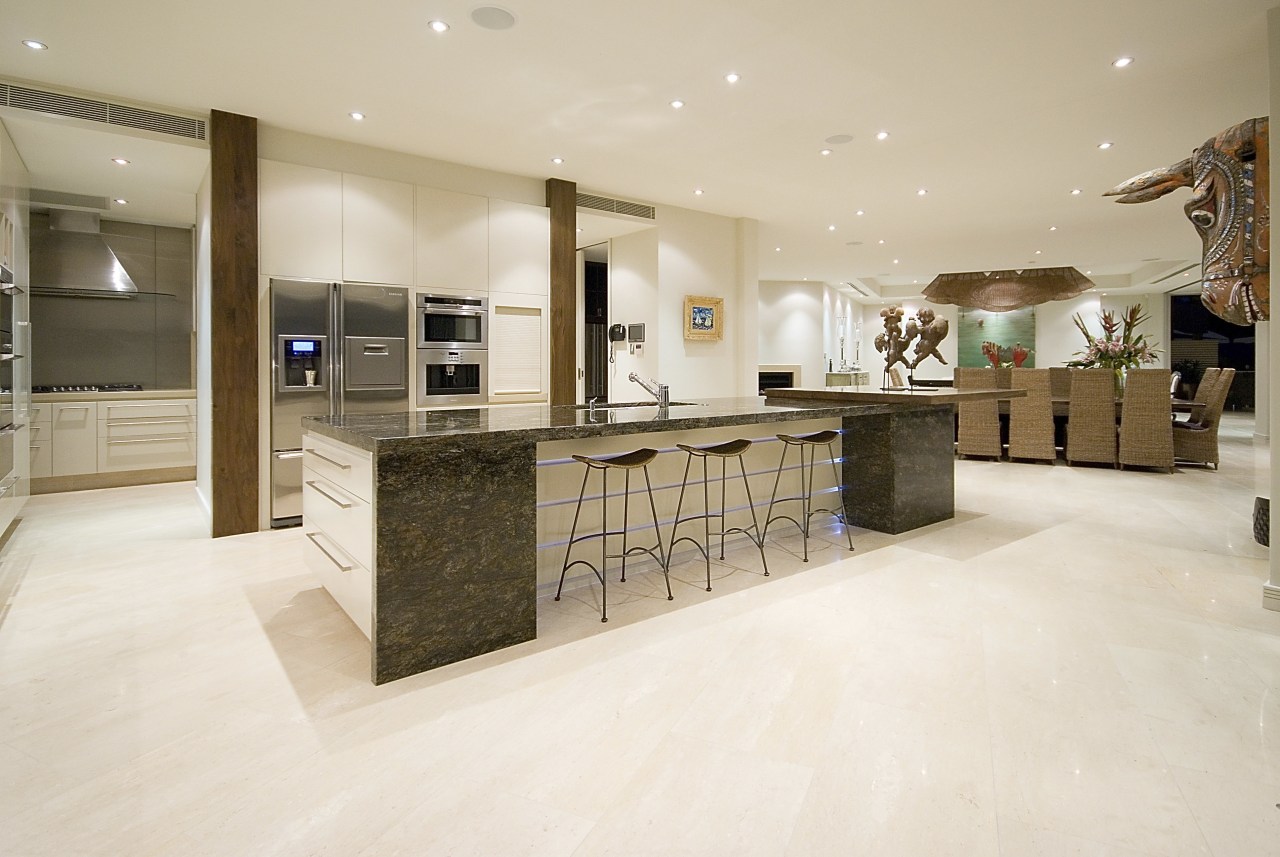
[{"x": 1119, "y": 381}]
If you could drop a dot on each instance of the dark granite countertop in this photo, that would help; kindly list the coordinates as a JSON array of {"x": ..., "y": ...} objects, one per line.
[
  {"x": 873, "y": 394},
  {"x": 381, "y": 432}
]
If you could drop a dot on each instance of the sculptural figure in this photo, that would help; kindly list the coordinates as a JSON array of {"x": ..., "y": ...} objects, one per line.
[
  {"x": 891, "y": 341},
  {"x": 1229, "y": 176},
  {"x": 931, "y": 331},
  {"x": 926, "y": 330}
]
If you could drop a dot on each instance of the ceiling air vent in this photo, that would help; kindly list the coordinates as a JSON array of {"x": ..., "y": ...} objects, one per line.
[
  {"x": 616, "y": 206},
  {"x": 92, "y": 110}
]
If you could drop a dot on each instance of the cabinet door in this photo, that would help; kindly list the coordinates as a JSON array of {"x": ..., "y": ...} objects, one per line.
[
  {"x": 519, "y": 248},
  {"x": 75, "y": 438},
  {"x": 452, "y": 240},
  {"x": 377, "y": 230},
  {"x": 300, "y": 221},
  {"x": 519, "y": 327}
]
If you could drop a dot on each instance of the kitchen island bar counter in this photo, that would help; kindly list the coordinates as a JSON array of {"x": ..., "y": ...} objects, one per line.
[{"x": 454, "y": 503}]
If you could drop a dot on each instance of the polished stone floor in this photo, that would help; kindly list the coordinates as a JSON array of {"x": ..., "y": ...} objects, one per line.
[{"x": 1078, "y": 664}]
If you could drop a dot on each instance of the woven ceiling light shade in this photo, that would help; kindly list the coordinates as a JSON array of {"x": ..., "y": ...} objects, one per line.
[{"x": 1001, "y": 291}]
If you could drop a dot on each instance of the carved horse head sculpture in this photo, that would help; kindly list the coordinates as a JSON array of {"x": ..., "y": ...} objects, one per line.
[{"x": 1229, "y": 207}]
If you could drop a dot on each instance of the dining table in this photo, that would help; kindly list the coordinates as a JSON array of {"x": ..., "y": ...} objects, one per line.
[{"x": 1061, "y": 406}]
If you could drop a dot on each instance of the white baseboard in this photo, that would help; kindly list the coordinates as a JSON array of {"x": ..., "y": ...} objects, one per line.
[{"x": 1271, "y": 597}]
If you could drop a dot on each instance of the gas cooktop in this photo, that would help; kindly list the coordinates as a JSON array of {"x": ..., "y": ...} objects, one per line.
[{"x": 88, "y": 388}]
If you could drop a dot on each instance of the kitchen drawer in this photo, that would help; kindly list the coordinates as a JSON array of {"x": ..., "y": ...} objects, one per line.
[
  {"x": 40, "y": 431},
  {"x": 40, "y": 412},
  {"x": 344, "y": 517},
  {"x": 350, "y": 583},
  {"x": 165, "y": 426},
  {"x": 146, "y": 453},
  {"x": 146, "y": 410},
  {"x": 74, "y": 447},
  {"x": 41, "y": 464},
  {"x": 349, "y": 468}
]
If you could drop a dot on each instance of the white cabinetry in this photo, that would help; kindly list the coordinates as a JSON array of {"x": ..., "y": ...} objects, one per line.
[
  {"x": 451, "y": 240},
  {"x": 519, "y": 331},
  {"x": 337, "y": 523},
  {"x": 377, "y": 230},
  {"x": 300, "y": 209},
  {"x": 144, "y": 435},
  {"x": 74, "y": 435},
  {"x": 41, "y": 425},
  {"x": 519, "y": 248}
]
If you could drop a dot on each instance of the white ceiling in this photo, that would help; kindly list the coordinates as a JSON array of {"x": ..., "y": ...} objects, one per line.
[{"x": 995, "y": 107}]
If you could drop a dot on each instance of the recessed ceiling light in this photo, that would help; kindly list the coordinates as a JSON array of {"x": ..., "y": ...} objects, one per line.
[
  {"x": 883, "y": 135},
  {"x": 921, "y": 192},
  {"x": 1122, "y": 62},
  {"x": 1053, "y": 229},
  {"x": 825, "y": 152},
  {"x": 1037, "y": 252},
  {"x": 1088, "y": 272},
  {"x": 1075, "y": 191},
  {"x": 356, "y": 115},
  {"x": 733, "y": 77},
  {"x": 915, "y": 282},
  {"x": 831, "y": 228},
  {"x": 895, "y": 261},
  {"x": 1105, "y": 145},
  {"x": 1104, "y": 294},
  {"x": 118, "y": 201},
  {"x": 677, "y": 104},
  {"x": 34, "y": 45},
  {"x": 859, "y": 212},
  {"x": 1187, "y": 274},
  {"x": 579, "y": 228},
  {"x": 777, "y": 249},
  {"x": 493, "y": 18},
  {"x": 557, "y": 161},
  {"x": 698, "y": 192},
  {"x": 120, "y": 161},
  {"x": 881, "y": 241},
  {"x": 438, "y": 26}
]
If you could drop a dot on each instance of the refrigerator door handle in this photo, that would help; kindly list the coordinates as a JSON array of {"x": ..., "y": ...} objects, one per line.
[{"x": 297, "y": 454}]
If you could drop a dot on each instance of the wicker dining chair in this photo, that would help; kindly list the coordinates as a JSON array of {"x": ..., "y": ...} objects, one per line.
[
  {"x": 1059, "y": 382},
  {"x": 1031, "y": 418},
  {"x": 1146, "y": 433},
  {"x": 1091, "y": 417},
  {"x": 1204, "y": 392},
  {"x": 1198, "y": 442},
  {"x": 979, "y": 431}
]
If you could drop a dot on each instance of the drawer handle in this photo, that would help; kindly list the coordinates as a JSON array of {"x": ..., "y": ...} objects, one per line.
[
  {"x": 148, "y": 405},
  {"x": 333, "y": 560},
  {"x": 150, "y": 423},
  {"x": 330, "y": 460},
  {"x": 72, "y": 407},
  {"x": 326, "y": 495},
  {"x": 5, "y": 358},
  {"x": 148, "y": 440},
  {"x": 10, "y": 430},
  {"x": 8, "y": 486}
]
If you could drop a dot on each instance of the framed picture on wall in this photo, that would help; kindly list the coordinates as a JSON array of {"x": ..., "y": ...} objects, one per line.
[{"x": 703, "y": 317}]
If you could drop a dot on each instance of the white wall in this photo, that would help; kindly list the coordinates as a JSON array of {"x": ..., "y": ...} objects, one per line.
[
  {"x": 633, "y": 299},
  {"x": 204, "y": 352},
  {"x": 792, "y": 321}
]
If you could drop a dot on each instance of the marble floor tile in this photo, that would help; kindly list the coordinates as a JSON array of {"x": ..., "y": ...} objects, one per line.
[{"x": 1077, "y": 664}]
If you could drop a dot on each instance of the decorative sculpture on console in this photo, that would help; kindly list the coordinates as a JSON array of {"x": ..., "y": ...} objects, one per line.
[
  {"x": 925, "y": 329},
  {"x": 1230, "y": 207}
]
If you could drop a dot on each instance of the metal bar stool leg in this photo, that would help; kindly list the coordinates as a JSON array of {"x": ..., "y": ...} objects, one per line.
[
  {"x": 664, "y": 558},
  {"x": 626, "y": 496},
  {"x": 604, "y": 545},
  {"x": 573, "y": 530},
  {"x": 844, "y": 513},
  {"x": 755, "y": 523}
]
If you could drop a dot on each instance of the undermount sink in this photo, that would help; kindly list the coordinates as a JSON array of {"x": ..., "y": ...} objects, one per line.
[{"x": 610, "y": 406}]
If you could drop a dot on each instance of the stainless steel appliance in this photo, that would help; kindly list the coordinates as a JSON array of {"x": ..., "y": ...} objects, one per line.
[
  {"x": 452, "y": 377},
  {"x": 453, "y": 323},
  {"x": 8, "y": 428},
  {"x": 337, "y": 348}
]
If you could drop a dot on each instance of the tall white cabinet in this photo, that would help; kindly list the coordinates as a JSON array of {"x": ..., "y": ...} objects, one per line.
[
  {"x": 300, "y": 221},
  {"x": 377, "y": 230},
  {"x": 451, "y": 241}
]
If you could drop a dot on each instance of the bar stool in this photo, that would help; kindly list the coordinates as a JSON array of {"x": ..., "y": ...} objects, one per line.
[
  {"x": 723, "y": 451},
  {"x": 638, "y": 459},
  {"x": 812, "y": 441}
]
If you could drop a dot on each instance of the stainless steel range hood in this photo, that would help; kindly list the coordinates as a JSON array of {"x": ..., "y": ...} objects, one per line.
[{"x": 71, "y": 259}]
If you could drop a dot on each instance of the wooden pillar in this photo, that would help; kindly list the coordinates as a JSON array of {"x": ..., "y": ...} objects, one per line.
[
  {"x": 233, "y": 239},
  {"x": 562, "y": 199}
]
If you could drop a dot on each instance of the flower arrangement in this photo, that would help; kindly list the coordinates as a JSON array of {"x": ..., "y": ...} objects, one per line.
[{"x": 1120, "y": 346}]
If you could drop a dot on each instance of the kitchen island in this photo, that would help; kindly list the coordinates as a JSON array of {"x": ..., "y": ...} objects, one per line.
[{"x": 436, "y": 513}]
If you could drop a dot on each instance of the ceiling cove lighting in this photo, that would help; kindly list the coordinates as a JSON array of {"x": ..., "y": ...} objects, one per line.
[
  {"x": 677, "y": 104},
  {"x": 1123, "y": 62},
  {"x": 1105, "y": 145},
  {"x": 356, "y": 115},
  {"x": 438, "y": 26},
  {"x": 122, "y": 162},
  {"x": 34, "y": 45},
  {"x": 883, "y": 135},
  {"x": 733, "y": 77}
]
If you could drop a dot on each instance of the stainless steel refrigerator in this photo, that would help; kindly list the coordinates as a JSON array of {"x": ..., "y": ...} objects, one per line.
[{"x": 337, "y": 348}]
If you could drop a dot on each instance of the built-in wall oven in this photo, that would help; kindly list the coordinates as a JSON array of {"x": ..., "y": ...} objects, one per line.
[
  {"x": 453, "y": 357},
  {"x": 455, "y": 323},
  {"x": 8, "y": 427}
]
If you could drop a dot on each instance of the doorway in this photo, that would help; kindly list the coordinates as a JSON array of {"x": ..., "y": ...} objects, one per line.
[{"x": 595, "y": 322}]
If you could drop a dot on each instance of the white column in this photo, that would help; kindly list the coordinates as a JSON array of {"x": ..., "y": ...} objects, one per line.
[
  {"x": 1271, "y": 589},
  {"x": 748, "y": 309},
  {"x": 1262, "y": 380}
]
